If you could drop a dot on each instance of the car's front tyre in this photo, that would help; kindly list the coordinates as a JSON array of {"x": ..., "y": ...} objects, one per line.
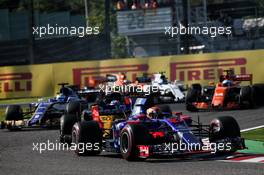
[
  {"x": 131, "y": 136},
  {"x": 87, "y": 137}
]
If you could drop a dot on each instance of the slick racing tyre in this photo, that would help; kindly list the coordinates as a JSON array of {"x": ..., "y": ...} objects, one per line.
[
  {"x": 66, "y": 123},
  {"x": 87, "y": 136},
  {"x": 247, "y": 97},
  {"x": 258, "y": 93},
  {"x": 73, "y": 107},
  {"x": 193, "y": 95},
  {"x": 222, "y": 128},
  {"x": 197, "y": 87},
  {"x": 130, "y": 137},
  {"x": 14, "y": 112}
]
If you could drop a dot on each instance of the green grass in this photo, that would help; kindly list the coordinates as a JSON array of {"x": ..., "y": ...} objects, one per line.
[{"x": 256, "y": 134}]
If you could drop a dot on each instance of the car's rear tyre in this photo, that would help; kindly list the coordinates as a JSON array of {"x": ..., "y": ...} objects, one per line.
[
  {"x": 247, "y": 95},
  {"x": 197, "y": 87},
  {"x": 66, "y": 123},
  {"x": 13, "y": 113},
  {"x": 258, "y": 93},
  {"x": 130, "y": 137},
  {"x": 191, "y": 97},
  {"x": 73, "y": 107},
  {"x": 222, "y": 128},
  {"x": 87, "y": 136}
]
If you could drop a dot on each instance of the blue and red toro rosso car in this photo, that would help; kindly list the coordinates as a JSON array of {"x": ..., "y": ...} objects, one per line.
[
  {"x": 152, "y": 131},
  {"x": 43, "y": 113}
]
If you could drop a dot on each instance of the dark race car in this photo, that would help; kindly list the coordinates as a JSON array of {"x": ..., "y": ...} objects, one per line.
[
  {"x": 43, "y": 113},
  {"x": 107, "y": 108},
  {"x": 152, "y": 131}
]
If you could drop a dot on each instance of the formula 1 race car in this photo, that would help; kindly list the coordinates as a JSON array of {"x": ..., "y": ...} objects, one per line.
[
  {"x": 117, "y": 83},
  {"x": 227, "y": 94},
  {"x": 168, "y": 91},
  {"x": 43, "y": 113},
  {"x": 148, "y": 133},
  {"x": 106, "y": 108}
]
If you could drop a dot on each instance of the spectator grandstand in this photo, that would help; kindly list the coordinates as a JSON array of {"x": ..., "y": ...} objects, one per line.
[
  {"x": 243, "y": 16},
  {"x": 136, "y": 28}
]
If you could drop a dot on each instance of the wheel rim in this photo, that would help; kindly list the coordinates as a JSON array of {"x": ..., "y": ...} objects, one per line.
[
  {"x": 74, "y": 140},
  {"x": 124, "y": 142},
  {"x": 215, "y": 126},
  {"x": 61, "y": 125}
]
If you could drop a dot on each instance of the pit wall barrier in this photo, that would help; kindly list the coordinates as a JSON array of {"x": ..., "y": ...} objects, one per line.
[{"x": 42, "y": 80}]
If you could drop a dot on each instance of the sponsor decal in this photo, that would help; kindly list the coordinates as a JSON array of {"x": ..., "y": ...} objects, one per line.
[
  {"x": 205, "y": 69},
  {"x": 15, "y": 82},
  {"x": 81, "y": 76},
  {"x": 219, "y": 94}
]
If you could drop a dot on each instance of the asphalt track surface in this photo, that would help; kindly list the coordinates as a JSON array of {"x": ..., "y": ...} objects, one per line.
[{"x": 17, "y": 155}]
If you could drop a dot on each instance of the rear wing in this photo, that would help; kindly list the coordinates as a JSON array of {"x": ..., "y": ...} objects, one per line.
[
  {"x": 239, "y": 77},
  {"x": 244, "y": 77}
]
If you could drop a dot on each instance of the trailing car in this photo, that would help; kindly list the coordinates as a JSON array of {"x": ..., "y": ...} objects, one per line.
[
  {"x": 106, "y": 108},
  {"x": 43, "y": 113},
  {"x": 152, "y": 131},
  {"x": 168, "y": 91},
  {"x": 227, "y": 94}
]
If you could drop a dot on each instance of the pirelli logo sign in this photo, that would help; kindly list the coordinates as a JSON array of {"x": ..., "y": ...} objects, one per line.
[
  {"x": 81, "y": 76},
  {"x": 205, "y": 69},
  {"x": 15, "y": 82}
]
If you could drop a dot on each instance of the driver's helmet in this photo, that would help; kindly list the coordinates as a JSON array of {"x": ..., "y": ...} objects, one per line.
[
  {"x": 114, "y": 102},
  {"x": 153, "y": 112},
  {"x": 227, "y": 83},
  {"x": 61, "y": 98}
]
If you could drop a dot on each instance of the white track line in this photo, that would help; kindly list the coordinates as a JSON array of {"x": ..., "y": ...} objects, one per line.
[
  {"x": 249, "y": 129},
  {"x": 257, "y": 159}
]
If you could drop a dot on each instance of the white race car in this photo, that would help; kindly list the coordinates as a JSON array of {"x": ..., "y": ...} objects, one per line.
[{"x": 169, "y": 91}]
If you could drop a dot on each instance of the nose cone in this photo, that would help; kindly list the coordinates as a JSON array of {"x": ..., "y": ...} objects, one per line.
[{"x": 219, "y": 96}]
